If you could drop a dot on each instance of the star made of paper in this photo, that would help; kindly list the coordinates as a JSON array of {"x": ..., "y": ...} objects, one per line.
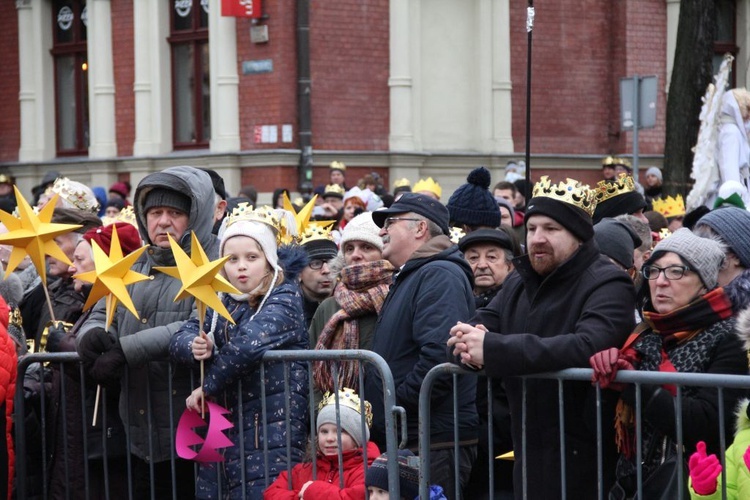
[
  {"x": 33, "y": 235},
  {"x": 111, "y": 276},
  {"x": 200, "y": 278},
  {"x": 302, "y": 218}
]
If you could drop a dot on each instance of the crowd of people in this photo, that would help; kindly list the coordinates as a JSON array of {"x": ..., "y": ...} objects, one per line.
[{"x": 511, "y": 280}]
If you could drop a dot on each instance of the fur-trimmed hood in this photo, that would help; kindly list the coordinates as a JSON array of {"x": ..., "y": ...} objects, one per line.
[
  {"x": 743, "y": 421},
  {"x": 743, "y": 327}
]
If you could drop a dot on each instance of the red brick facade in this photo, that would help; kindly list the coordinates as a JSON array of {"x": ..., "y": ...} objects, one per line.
[
  {"x": 10, "y": 131},
  {"x": 124, "y": 73}
]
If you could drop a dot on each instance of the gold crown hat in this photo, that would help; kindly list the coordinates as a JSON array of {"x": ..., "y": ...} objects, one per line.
[
  {"x": 670, "y": 207},
  {"x": 127, "y": 215},
  {"x": 403, "y": 182},
  {"x": 280, "y": 221},
  {"x": 608, "y": 161},
  {"x": 314, "y": 233},
  {"x": 428, "y": 184},
  {"x": 609, "y": 189},
  {"x": 334, "y": 190},
  {"x": 348, "y": 398},
  {"x": 74, "y": 194},
  {"x": 337, "y": 165},
  {"x": 571, "y": 192}
]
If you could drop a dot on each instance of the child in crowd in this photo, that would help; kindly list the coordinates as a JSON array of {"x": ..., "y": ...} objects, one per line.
[
  {"x": 408, "y": 478},
  {"x": 327, "y": 483},
  {"x": 705, "y": 470},
  {"x": 267, "y": 316}
]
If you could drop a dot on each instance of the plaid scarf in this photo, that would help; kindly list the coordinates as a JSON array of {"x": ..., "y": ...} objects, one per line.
[
  {"x": 647, "y": 349},
  {"x": 362, "y": 291}
]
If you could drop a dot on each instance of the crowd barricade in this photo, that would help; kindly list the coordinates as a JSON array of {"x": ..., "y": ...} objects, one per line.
[
  {"x": 580, "y": 375},
  {"x": 38, "y": 382}
]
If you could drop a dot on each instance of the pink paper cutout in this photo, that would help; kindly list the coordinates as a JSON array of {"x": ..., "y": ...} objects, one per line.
[{"x": 186, "y": 437}]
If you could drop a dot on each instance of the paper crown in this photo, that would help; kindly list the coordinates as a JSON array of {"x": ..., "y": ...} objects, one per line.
[
  {"x": 428, "y": 185},
  {"x": 280, "y": 221},
  {"x": 337, "y": 165},
  {"x": 609, "y": 189},
  {"x": 127, "y": 214},
  {"x": 670, "y": 207},
  {"x": 571, "y": 191},
  {"x": 611, "y": 161},
  {"x": 347, "y": 397},
  {"x": 6, "y": 179},
  {"x": 403, "y": 182},
  {"x": 313, "y": 233},
  {"x": 333, "y": 190},
  {"x": 455, "y": 234},
  {"x": 75, "y": 194}
]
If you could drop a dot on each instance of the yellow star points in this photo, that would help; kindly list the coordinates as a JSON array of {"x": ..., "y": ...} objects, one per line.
[
  {"x": 33, "y": 235},
  {"x": 199, "y": 277},
  {"x": 111, "y": 275},
  {"x": 303, "y": 218}
]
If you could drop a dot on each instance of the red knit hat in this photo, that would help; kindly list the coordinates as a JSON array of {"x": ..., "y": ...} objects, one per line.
[
  {"x": 120, "y": 188},
  {"x": 130, "y": 240}
]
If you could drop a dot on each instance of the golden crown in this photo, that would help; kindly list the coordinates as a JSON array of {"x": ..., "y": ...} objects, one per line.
[
  {"x": 456, "y": 233},
  {"x": 75, "y": 193},
  {"x": 611, "y": 161},
  {"x": 313, "y": 233},
  {"x": 571, "y": 191},
  {"x": 337, "y": 165},
  {"x": 334, "y": 189},
  {"x": 280, "y": 221},
  {"x": 609, "y": 189},
  {"x": 670, "y": 207},
  {"x": 347, "y": 397},
  {"x": 428, "y": 185},
  {"x": 403, "y": 182},
  {"x": 6, "y": 179},
  {"x": 127, "y": 214}
]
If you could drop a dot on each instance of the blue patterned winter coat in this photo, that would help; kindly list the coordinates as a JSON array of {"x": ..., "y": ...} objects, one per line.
[{"x": 237, "y": 356}]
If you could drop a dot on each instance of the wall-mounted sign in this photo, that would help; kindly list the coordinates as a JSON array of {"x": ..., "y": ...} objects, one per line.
[
  {"x": 255, "y": 67},
  {"x": 65, "y": 18},
  {"x": 241, "y": 8}
]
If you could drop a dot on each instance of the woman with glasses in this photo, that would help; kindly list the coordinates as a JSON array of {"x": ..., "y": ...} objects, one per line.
[{"x": 687, "y": 327}]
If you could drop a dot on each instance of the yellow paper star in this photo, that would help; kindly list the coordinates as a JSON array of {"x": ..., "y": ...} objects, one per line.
[
  {"x": 111, "y": 276},
  {"x": 33, "y": 235},
  {"x": 199, "y": 277},
  {"x": 303, "y": 218}
]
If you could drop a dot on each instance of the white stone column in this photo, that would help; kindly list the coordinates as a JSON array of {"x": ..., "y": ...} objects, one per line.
[
  {"x": 222, "y": 48},
  {"x": 501, "y": 139},
  {"x": 101, "y": 76},
  {"x": 673, "y": 18},
  {"x": 36, "y": 95},
  {"x": 152, "y": 87},
  {"x": 401, "y": 77}
]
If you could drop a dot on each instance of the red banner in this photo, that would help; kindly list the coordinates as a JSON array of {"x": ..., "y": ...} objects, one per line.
[{"x": 241, "y": 8}]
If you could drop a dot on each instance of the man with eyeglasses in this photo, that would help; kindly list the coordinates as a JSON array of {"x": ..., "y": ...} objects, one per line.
[
  {"x": 316, "y": 279},
  {"x": 430, "y": 293}
]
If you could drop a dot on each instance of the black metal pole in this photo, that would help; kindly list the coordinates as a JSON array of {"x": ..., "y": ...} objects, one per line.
[
  {"x": 305, "y": 167},
  {"x": 529, "y": 31}
]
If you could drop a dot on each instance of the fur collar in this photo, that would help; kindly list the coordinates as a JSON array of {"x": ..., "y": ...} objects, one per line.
[{"x": 743, "y": 327}]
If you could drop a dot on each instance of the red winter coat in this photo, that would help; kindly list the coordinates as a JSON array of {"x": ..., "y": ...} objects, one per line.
[
  {"x": 326, "y": 487},
  {"x": 8, "y": 373}
]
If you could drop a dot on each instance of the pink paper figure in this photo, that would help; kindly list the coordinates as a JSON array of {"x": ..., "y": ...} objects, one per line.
[{"x": 186, "y": 438}]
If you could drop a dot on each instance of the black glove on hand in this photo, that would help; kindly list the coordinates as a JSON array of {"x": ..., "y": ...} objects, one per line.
[
  {"x": 108, "y": 367},
  {"x": 95, "y": 342},
  {"x": 55, "y": 333}
]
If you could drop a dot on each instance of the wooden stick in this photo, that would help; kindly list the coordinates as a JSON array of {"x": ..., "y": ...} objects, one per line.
[
  {"x": 96, "y": 404},
  {"x": 203, "y": 370},
  {"x": 49, "y": 302}
]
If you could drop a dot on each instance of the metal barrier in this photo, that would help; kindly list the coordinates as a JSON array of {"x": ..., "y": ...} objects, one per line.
[
  {"x": 65, "y": 362},
  {"x": 583, "y": 375}
]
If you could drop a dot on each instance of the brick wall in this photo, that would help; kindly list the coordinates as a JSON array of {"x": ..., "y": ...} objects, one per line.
[
  {"x": 10, "y": 133},
  {"x": 124, "y": 74}
]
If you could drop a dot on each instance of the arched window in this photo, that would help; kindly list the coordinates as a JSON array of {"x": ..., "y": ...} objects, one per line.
[
  {"x": 69, "y": 22},
  {"x": 191, "y": 94},
  {"x": 726, "y": 36}
]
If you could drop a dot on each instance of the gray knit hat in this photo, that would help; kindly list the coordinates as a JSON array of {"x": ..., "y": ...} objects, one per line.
[
  {"x": 164, "y": 197},
  {"x": 704, "y": 255},
  {"x": 732, "y": 225},
  {"x": 617, "y": 240},
  {"x": 349, "y": 415}
]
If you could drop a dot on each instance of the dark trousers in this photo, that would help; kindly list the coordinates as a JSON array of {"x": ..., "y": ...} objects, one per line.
[
  {"x": 162, "y": 479},
  {"x": 443, "y": 470}
]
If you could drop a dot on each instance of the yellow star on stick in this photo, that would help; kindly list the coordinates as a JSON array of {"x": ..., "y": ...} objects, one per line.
[
  {"x": 33, "y": 235},
  {"x": 111, "y": 275},
  {"x": 303, "y": 218},
  {"x": 200, "y": 278}
]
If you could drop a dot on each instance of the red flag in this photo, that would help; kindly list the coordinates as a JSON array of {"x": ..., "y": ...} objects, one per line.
[{"x": 241, "y": 8}]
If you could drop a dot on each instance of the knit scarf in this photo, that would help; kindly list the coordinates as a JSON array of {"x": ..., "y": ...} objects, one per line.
[
  {"x": 362, "y": 291},
  {"x": 647, "y": 348}
]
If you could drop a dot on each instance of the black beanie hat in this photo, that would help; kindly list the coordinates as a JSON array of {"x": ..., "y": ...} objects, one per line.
[
  {"x": 472, "y": 203},
  {"x": 164, "y": 197},
  {"x": 617, "y": 241},
  {"x": 572, "y": 218},
  {"x": 622, "y": 204},
  {"x": 408, "y": 474}
]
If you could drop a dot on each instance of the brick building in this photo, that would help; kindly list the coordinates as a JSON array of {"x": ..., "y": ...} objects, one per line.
[{"x": 102, "y": 90}]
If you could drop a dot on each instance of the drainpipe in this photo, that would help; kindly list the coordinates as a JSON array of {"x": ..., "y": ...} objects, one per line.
[{"x": 305, "y": 167}]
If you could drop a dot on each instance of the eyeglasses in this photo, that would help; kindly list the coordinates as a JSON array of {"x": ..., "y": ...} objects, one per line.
[
  {"x": 390, "y": 220},
  {"x": 670, "y": 272},
  {"x": 317, "y": 264}
]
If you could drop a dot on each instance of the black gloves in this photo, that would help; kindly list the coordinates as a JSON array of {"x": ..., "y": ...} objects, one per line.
[
  {"x": 95, "y": 342},
  {"x": 108, "y": 367},
  {"x": 55, "y": 333}
]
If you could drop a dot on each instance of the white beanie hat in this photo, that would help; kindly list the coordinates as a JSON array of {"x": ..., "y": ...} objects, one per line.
[
  {"x": 362, "y": 228},
  {"x": 260, "y": 232},
  {"x": 655, "y": 171}
]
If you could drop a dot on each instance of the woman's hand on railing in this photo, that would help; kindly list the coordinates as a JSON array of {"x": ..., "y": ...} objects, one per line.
[{"x": 606, "y": 364}]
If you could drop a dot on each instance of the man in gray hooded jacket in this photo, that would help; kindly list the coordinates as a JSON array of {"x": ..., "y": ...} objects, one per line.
[{"x": 176, "y": 202}]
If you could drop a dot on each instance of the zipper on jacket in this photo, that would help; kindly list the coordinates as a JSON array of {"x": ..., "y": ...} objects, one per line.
[{"x": 257, "y": 445}]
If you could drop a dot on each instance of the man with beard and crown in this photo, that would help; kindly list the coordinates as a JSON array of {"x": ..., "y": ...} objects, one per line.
[{"x": 564, "y": 302}]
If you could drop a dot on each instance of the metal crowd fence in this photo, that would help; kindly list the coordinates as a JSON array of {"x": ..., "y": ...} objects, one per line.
[
  {"x": 580, "y": 375},
  {"x": 30, "y": 370}
]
